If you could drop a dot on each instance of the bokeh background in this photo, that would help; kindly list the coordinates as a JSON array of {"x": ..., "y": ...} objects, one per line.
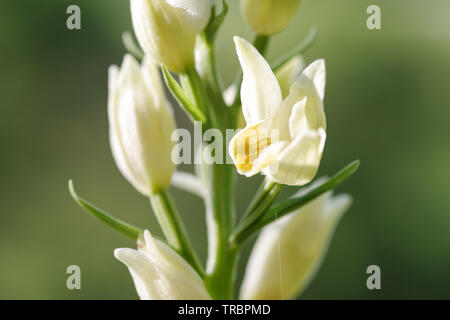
[{"x": 387, "y": 103}]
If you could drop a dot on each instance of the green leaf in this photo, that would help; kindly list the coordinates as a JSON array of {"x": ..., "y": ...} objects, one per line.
[
  {"x": 131, "y": 46},
  {"x": 184, "y": 101},
  {"x": 126, "y": 229},
  {"x": 216, "y": 20},
  {"x": 299, "y": 49},
  {"x": 263, "y": 199},
  {"x": 274, "y": 213}
]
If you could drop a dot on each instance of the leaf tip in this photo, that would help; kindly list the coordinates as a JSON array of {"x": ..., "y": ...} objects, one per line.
[
  {"x": 71, "y": 188},
  {"x": 355, "y": 164},
  {"x": 73, "y": 192}
]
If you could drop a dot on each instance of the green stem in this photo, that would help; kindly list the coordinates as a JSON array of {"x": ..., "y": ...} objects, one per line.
[
  {"x": 205, "y": 88},
  {"x": 222, "y": 257},
  {"x": 261, "y": 43},
  {"x": 299, "y": 49},
  {"x": 207, "y": 67},
  {"x": 173, "y": 228}
]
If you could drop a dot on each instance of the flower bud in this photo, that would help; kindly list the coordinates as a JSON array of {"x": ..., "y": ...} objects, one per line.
[
  {"x": 159, "y": 273},
  {"x": 289, "y": 72},
  {"x": 140, "y": 125},
  {"x": 289, "y": 252},
  {"x": 166, "y": 29},
  {"x": 268, "y": 17}
]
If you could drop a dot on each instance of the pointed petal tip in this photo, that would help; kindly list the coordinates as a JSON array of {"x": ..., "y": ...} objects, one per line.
[
  {"x": 346, "y": 198},
  {"x": 112, "y": 70},
  {"x": 320, "y": 61},
  {"x": 127, "y": 58},
  {"x": 241, "y": 44},
  {"x": 238, "y": 39},
  {"x": 315, "y": 67},
  {"x": 339, "y": 204},
  {"x": 122, "y": 254},
  {"x": 317, "y": 64},
  {"x": 119, "y": 253},
  {"x": 147, "y": 236},
  {"x": 260, "y": 90},
  {"x": 113, "y": 74},
  {"x": 129, "y": 63}
]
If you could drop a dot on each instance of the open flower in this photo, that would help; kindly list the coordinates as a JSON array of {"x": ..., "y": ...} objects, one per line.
[
  {"x": 269, "y": 16},
  {"x": 284, "y": 139},
  {"x": 166, "y": 29},
  {"x": 288, "y": 252},
  {"x": 159, "y": 273},
  {"x": 140, "y": 125}
]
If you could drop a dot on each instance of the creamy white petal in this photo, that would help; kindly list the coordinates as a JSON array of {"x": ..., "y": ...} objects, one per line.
[
  {"x": 121, "y": 162},
  {"x": 299, "y": 161},
  {"x": 298, "y": 122},
  {"x": 316, "y": 72},
  {"x": 166, "y": 30},
  {"x": 197, "y": 12},
  {"x": 260, "y": 91},
  {"x": 288, "y": 252},
  {"x": 161, "y": 274},
  {"x": 141, "y": 124},
  {"x": 303, "y": 87},
  {"x": 166, "y": 258},
  {"x": 122, "y": 116},
  {"x": 143, "y": 272}
]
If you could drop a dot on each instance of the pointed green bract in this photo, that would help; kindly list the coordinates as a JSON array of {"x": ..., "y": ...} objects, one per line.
[
  {"x": 292, "y": 204},
  {"x": 261, "y": 202},
  {"x": 299, "y": 49},
  {"x": 126, "y": 229},
  {"x": 181, "y": 97}
]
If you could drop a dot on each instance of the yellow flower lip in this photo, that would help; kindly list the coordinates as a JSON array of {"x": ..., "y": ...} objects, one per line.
[{"x": 248, "y": 145}]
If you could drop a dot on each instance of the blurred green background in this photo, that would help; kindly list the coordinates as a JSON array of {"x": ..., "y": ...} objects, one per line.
[{"x": 387, "y": 103}]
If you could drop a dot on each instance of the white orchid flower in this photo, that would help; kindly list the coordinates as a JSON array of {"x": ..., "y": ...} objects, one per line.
[
  {"x": 268, "y": 17},
  {"x": 159, "y": 273},
  {"x": 288, "y": 253},
  {"x": 284, "y": 139},
  {"x": 167, "y": 29},
  {"x": 140, "y": 125}
]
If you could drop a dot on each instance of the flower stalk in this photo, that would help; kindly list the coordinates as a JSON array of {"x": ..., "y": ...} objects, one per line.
[
  {"x": 222, "y": 257},
  {"x": 173, "y": 228}
]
